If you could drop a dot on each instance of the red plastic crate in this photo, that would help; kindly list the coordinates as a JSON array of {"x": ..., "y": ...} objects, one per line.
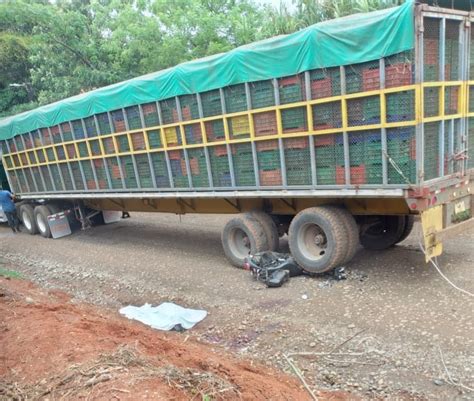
[
  {"x": 431, "y": 52},
  {"x": 174, "y": 155},
  {"x": 268, "y": 178},
  {"x": 149, "y": 109},
  {"x": 109, "y": 145},
  {"x": 138, "y": 141},
  {"x": 119, "y": 126},
  {"x": 357, "y": 174},
  {"x": 183, "y": 167},
  {"x": 116, "y": 172},
  {"x": 71, "y": 151},
  {"x": 296, "y": 143},
  {"x": 267, "y": 145},
  {"x": 175, "y": 115},
  {"x": 91, "y": 184},
  {"x": 220, "y": 150},
  {"x": 322, "y": 127},
  {"x": 287, "y": 81},
  {"x": 28, "y": 142},
  {"x": 321, "y": 88},
  {"x": 370, "y": 79},
  {"x": 194, "y": 165},
  {"x": 324, "y": 140},
  {"x": 398, "y": 75},
  {"x": 265, "y": 124}
]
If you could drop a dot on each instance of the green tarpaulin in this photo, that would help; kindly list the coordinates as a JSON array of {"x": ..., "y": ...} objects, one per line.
[{"x": 354, "y": 39}]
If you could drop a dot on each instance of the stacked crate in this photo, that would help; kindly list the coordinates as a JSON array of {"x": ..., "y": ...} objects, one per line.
[
  {"x": 243, "y": 164},
  {"x": 329, "y": 155},
  {"x": 144, "y": 172},
  {"x": 198, "y": 167},
  {"x": 297, "y": 161},
  {"x": 325, "y": 83},
  {"x": 292, "y": 90},
  {"x": 401, "y": 148},
  {"x": 220, "y": 169},
  {"x": 269, "y": 165},
  {"x": 365, "y": 157},
  {"x": 178, "y": 168},
  {"x": 160, "y": 169},
  {"x": 114, "y": 172}
]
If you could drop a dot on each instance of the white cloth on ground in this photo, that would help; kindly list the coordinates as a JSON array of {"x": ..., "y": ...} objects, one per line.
[{"x": 165, "y": 316}]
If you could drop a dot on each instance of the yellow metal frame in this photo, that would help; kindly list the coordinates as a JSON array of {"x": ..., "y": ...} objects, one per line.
[{"x": 13, "y": 160}]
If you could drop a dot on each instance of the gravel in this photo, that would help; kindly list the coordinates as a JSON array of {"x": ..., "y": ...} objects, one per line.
[{"x": 398, "y": 310}]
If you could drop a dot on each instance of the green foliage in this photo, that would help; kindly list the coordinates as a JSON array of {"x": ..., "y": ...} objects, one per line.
[
  {"x": 10, "y": 274},
  {"x": 52, "y": 50}
]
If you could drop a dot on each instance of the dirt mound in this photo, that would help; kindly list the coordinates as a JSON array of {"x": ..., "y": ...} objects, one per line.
[{"x": 55, "y": 349}]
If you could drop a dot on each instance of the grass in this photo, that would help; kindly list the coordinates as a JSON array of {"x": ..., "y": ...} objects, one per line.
[{"x": 9, "y": 273}]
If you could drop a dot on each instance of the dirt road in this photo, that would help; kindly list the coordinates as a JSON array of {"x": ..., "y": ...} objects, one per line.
[{"x": 399, "y": 310}]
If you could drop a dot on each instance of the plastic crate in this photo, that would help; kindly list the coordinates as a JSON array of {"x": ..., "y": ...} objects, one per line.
[
  {"x": 265, "y": 123},
  {"x": 294, "y": 120},
  {"x": 270, "y": 177}
]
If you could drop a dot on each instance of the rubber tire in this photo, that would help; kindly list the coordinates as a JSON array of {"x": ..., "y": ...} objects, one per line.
[
  {"x": 352, "y": 232},
  {"x": 270, "y": 228},
  {"x": 44, "y": 212},
  {"x": 29, "y": 211},
  {"x": 378, "y": 242},
  {"x": 409, "y": 223},
  {"x": 252, "y": 228},
  {"x": 327, "y": 218}
]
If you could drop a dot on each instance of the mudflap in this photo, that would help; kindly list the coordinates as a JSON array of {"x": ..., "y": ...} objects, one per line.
[{"x": 445, "y": 221}]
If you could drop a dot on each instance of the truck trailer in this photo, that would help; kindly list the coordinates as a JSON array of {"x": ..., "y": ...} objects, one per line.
[{"x": 336, "y": 135}]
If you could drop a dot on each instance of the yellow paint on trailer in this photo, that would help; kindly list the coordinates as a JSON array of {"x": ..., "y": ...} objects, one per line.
[{"x": 283, "y": 206}]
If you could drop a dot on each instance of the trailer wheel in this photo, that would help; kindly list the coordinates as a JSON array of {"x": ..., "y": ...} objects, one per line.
[
  {"x": 352, "y": 231},
  {"x": 269, "y": 227},
  {"x": 382, "y": 232},
  {"x": 27, "y": 217},
  {"x": 243, "y": 235},
  {"x": 318, "y": 239},
  {"x": 409, "y": 223},
  {"x": 41, "y": 219}
]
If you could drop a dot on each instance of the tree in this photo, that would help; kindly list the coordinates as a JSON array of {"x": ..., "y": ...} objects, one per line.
[{"x": 52, "y": 50}]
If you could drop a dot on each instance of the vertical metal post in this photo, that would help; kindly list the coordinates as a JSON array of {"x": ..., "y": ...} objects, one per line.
[
  {"x": 345, "y": 135},
  {"x": 104, "y": 161},
  {"x": 184, "y": 142},
  {"x": 167, "y": 158},
  {"x": 79, "y": 163},
  {"x": 383, "y": 131},
  {"x": 442, "y": 78},
  {"x": 451, "y": 146},
  {"x": 468, "y": 25},
  {"x": 462, "y": 132},
  {"x": 68, "y": 165},
  {"x": 145, "y": 134},
  {"x": 94, "y": 172},
  {"x": 419, "y": 130},
  {"x": 281, "y": 145},
  {"x": 312, "y": 153}
]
